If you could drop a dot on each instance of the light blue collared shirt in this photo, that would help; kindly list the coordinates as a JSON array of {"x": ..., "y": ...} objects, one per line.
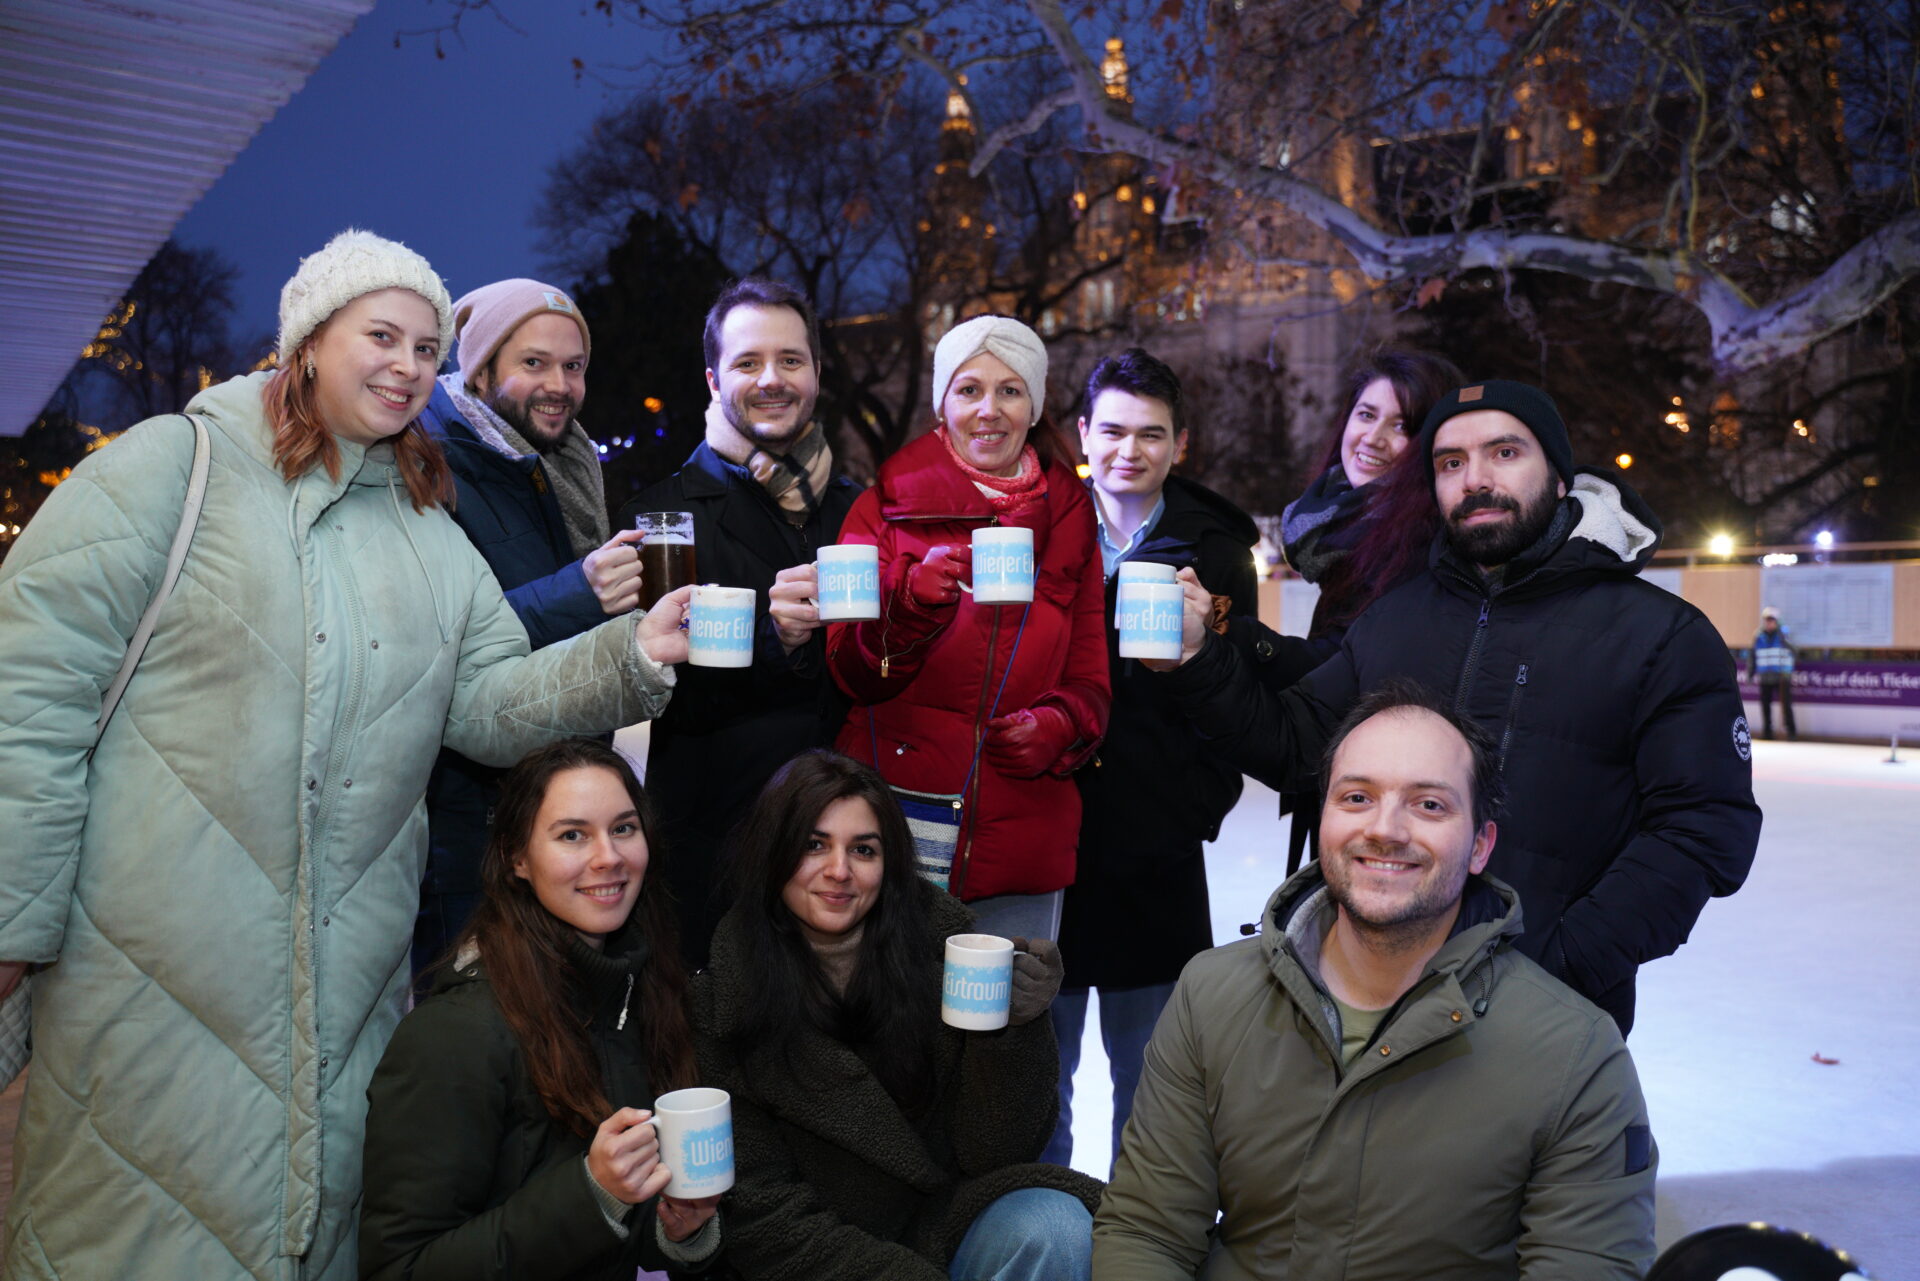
[{"x": 1110, "y": 555}]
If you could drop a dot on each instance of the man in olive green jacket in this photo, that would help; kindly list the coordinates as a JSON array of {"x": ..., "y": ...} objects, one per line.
[{"x": 1378, "y": 1086}]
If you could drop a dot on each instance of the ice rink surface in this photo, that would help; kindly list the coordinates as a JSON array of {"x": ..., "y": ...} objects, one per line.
[{"x": 1819, "y": 954}]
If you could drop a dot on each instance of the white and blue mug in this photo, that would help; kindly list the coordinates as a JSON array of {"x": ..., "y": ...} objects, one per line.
[
  {"x": 1002, "y": 564},
  {"x": 695, "y": 1129},
  {"x": 720, "y": 626},
  {"x": 849, "y": 582},
  {"x": 976, "y": 988},
  {"x": 1148, "y": 610}
]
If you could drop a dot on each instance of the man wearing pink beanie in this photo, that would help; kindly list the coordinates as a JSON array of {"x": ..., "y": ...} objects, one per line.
[{"x": 531, "y": 499}]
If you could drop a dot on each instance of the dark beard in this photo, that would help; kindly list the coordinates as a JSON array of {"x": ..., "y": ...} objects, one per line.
[
  {"x": 518, "y": 417},
  {"x": 1492, "y": 545}
]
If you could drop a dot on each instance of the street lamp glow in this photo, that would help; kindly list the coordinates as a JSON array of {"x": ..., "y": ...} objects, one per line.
[
  {"x": 1623, "y": 461},
  {"x": 1824, "y": 539},
  {"x": 1721, "y": 544}
]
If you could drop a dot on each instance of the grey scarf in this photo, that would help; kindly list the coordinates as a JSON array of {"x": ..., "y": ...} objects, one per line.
[{"x": 573, "y": 468}]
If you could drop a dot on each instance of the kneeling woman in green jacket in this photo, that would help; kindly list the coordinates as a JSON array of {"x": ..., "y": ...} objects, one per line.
[
  {"x": 870, "y": 1139},
  {"x": 507, "y": 1134}
]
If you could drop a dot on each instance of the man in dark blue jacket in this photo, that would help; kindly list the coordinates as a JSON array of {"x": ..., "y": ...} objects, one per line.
[
  {"x": 530, "y": 497},
  {"x": 1613, "y": 702}
]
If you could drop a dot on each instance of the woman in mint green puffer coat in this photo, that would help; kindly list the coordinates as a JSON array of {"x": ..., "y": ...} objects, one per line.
[{"x": 224, "y": 893}]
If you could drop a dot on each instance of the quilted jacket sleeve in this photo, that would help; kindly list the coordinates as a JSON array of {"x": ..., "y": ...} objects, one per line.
[
  {"x": 507, "y": 701},
  {"x": 437, "y": 1113},
  {"x": 71, "y": 592}
]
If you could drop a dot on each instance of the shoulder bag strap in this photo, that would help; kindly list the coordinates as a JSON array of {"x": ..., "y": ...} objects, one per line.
[
  {"x": 993, "y": 711},
  {"x": 176, "y": 557}
]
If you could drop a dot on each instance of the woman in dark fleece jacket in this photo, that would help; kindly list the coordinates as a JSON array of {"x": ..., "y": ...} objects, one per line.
[
  {"x": 507, "y": 1134},
  {"x": 871, "y": 1140}
]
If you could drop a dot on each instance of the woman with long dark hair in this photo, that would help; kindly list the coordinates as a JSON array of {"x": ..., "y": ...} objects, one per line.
[
  {"x": 871, "y": 1139},
  {"x": 1366, "y": 520},
  {"x": 507, "y": 1130}
]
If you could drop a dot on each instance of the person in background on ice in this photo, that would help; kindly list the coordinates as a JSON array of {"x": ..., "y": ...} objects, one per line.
[{"x": 1773, "y": 656}]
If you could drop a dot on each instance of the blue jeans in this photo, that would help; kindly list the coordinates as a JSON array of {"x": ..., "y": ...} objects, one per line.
[
  {"x": 1035, "y": 1234},
  {"x": 1127, "y": 1018}
]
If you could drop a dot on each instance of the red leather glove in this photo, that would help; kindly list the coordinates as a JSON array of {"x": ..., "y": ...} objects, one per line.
[
  {"x": 1026, "y": 743},
  {"x": 936, "y": 580}
]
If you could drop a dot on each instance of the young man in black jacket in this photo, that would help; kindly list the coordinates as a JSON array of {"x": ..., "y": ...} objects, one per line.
[
  {"x": 1137, "y": 911},
  {"x": 529, "y": 496},
  {"x": 765, "y": 497},
  {"x": 1613, "y": 702}
]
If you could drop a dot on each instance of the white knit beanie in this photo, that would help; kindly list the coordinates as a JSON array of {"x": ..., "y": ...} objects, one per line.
[
  {"x": 1002, "y": 336},
  {"x": 354, "y": 263}
]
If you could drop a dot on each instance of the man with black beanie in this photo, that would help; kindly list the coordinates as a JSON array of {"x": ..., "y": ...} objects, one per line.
[{"x": 1621, "y": 735}]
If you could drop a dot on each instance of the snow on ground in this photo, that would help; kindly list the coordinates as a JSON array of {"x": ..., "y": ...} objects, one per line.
[{"x": 1819, "y": 954}]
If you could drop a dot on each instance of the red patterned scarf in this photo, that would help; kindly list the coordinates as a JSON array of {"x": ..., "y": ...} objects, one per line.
[{"x": 1012, "y": 495}]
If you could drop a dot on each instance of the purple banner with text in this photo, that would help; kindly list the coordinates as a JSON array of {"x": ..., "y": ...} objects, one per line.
[{"x": 1862, "y": 684}]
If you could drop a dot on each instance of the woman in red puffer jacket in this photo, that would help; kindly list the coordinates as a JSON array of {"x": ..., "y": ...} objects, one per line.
[{"x": 940, "y": 678}]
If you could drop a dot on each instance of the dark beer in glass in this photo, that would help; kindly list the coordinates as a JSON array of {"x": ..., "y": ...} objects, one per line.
[{"x": 666, "y": 554}]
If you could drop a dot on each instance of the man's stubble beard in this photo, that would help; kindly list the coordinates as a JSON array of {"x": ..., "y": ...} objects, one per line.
[
  {"x": 759, "y": 436},
  {"x": 1408, "y": 926}
]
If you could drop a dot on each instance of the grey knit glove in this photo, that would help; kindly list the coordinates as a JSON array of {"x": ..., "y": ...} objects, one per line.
[{"x": 1037, "y": 971}]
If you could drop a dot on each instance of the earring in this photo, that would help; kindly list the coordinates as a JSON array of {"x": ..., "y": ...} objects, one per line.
[{"x": 309, "y": 365}]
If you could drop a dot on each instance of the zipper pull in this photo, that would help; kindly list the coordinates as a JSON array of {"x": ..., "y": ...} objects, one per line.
[
  {"x": 620, "y": 1024},
  {"x": 1485, "y": 606},
  {"x": 884, "y": 662},
  {"x": 1521, "y": 679}
]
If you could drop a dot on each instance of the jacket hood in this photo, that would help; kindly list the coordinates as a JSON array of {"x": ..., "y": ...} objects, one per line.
[
  {"x": 237, "y": 408},
  {"x": 1614, "y": 518},
  {"x": 1299, "y": 911}
]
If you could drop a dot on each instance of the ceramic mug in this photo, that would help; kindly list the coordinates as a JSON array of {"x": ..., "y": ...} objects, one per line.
[
  {"x": 1149, "y": 608},
  {"x": 976, "y": 987},
  {"x": 695, "y": 1128},
  {"x": 849, "y": 582},
  {"x": 1002, "y": 565},
  {"x": 720, "y": 626}
]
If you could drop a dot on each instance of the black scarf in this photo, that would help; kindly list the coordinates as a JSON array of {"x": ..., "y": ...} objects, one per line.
[{"x": 1320, "y": 527}]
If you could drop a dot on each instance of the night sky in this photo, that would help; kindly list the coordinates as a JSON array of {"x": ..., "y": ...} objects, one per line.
[{"x": 448, "y": 155}]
